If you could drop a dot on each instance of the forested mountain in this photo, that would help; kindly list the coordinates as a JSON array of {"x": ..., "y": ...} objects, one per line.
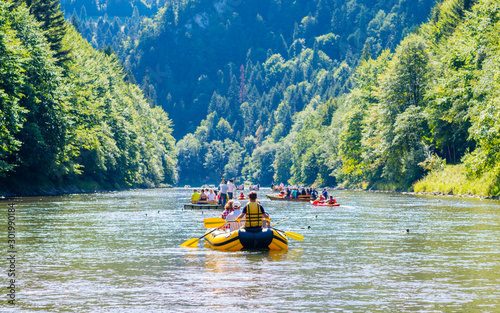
[
  {"x": 357, "y": 93},
  {"x": 111, "y": 22},
  {"x": 192, "y": 54},
  {"x": 233, "y": 73},
  {"x": 431, "y": 105},
  {"x": 68, "y": 120}
]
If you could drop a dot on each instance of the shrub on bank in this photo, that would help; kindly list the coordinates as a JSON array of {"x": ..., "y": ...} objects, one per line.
[{"x": 451, "y": 179}]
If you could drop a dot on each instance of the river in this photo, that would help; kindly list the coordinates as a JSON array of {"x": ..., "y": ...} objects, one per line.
[{"x": 119, "y": 252}]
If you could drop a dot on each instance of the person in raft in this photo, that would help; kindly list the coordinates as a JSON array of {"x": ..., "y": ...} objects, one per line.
[
  {"x": 230, "y": 189},
  {"x": 332, "y": 200},
  {"x": 241, "y": 196},
  {"x": 195, "y": 197},
  {"x": 325, "y": 193},
  {"x": 211, "y": 197},
  {"x": 253, "y": 213},
  {"x": 223, "y": 192},
  {"x": 228, "y": 209},
  {"x": 203, "y": 197},
  {"x": 233, "y": 216}
]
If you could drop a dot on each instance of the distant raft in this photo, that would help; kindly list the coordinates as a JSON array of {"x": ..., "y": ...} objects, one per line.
[
  {"x": 193, "y": 206},
  {"x": 282, "y": 198},
  {"x": 317, "y": 203},
  {"x": 266, "y": 239}
]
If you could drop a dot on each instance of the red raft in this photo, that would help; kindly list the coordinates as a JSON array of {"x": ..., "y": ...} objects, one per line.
[{"x": 317, "y": 203}]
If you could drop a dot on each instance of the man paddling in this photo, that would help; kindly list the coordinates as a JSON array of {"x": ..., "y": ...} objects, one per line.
[{"x": 254, "y": 213}]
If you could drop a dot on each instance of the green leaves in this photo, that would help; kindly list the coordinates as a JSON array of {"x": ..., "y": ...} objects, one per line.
[
  {"x": 87, "y": 128},
  {"x": 12, "y": 81}
]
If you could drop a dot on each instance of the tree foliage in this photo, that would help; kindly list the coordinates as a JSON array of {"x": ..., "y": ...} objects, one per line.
[{"x": 80, "y": 125}]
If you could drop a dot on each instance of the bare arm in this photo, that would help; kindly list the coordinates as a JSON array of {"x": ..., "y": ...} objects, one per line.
[{"x": 240, "y": 216}]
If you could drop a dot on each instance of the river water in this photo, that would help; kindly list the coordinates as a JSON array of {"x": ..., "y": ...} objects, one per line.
[{"x": 119, "y": 252}]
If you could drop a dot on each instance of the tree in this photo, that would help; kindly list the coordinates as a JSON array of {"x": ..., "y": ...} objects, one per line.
[
  {"x": 12, "y": 79},
  {"x": 49, "y": 13},
  {"x": 402, "y": 91},
  {"x": 350, "y": 146},
  {"x": 189, "y": 155},
  {"x": 44, "y": 132}
]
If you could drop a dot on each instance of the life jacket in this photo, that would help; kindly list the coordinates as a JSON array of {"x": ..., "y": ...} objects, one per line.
[{"x": 253, "y": 215}]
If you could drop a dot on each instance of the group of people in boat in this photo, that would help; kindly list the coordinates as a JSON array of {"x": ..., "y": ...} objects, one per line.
[
  {"x": 250, "y": 216},
  {"x": 323, "y": 200},
  {"x": 294, "y": 192},
  {"x": 219, "y": 196},
  {"x": 205, "y": 196},
  {"x": 254, "y": 187}
]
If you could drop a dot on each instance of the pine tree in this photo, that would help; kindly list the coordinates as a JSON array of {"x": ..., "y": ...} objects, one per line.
[
  {"x": 49, "y": 13},
  {"x": 243, "y": 92}
]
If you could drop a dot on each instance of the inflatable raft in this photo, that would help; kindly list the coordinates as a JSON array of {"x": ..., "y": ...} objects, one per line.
[
  {"x": 193, "y": 206},
  {"x": 282, "y": 198},
  {"x": 324, "y": 204},
  {"x": 266, "y": 239}
]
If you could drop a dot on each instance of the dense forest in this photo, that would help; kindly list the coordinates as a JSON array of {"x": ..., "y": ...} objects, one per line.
[
  {"x": 69, "y": 121},
  {"x": 362, "y": 93},
  {"x": 235, "y": 75}
]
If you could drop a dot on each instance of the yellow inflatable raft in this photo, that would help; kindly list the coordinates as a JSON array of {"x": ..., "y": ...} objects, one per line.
[{"x": 267, "y": 238}]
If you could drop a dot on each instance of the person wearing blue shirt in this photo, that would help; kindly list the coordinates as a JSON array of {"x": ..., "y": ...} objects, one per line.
[{"x": 223, "y": 192}]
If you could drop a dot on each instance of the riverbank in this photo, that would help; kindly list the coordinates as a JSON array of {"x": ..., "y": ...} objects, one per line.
[
  {"x": 26, "y": 190},
  {"x": 453, "y": 180},
  {"x": 450, "y": 181}
]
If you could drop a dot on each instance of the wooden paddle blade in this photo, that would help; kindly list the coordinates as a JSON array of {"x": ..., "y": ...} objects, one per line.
[
  {"x": 295, "y": 236},
  {"x": 286, "y": 219},
  {"x": 191, "y": 243},
  {"x": 214, "y": 222}
]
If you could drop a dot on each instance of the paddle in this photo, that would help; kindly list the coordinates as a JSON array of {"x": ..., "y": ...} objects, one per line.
[
  {"x": 291, "y": 234},
  {"x": 191, "y": 243},
  {"x": 214, "y": 222},
  {"x": 286, "y": 219},
  {"x": 219, "y": 222}
]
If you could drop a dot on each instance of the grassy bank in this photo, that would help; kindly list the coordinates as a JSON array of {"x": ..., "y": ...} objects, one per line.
[{"x": 451, "y": 179}]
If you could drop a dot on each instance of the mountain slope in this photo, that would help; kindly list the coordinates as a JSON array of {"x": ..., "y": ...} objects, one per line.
[{"x": 189, "y": 54}]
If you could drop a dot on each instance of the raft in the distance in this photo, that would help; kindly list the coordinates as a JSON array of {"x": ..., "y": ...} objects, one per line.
[
  {"x": 324, "y": 204},
  {"x": 281, "y": 198},
  {"x": 194, "y": 206},
  {"x": 266, "y": 239}
]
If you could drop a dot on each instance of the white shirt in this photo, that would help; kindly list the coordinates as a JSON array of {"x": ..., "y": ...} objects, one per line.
[
  {"x": 230, "y": 187},
  {"x": 211, "y": 197},
  {"x": 232, "y": 217}
]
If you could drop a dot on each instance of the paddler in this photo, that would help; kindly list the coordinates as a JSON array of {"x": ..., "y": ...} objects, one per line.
[
  {"x": 241, "y": 196},
  {"x": 253, "y": 213}
]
